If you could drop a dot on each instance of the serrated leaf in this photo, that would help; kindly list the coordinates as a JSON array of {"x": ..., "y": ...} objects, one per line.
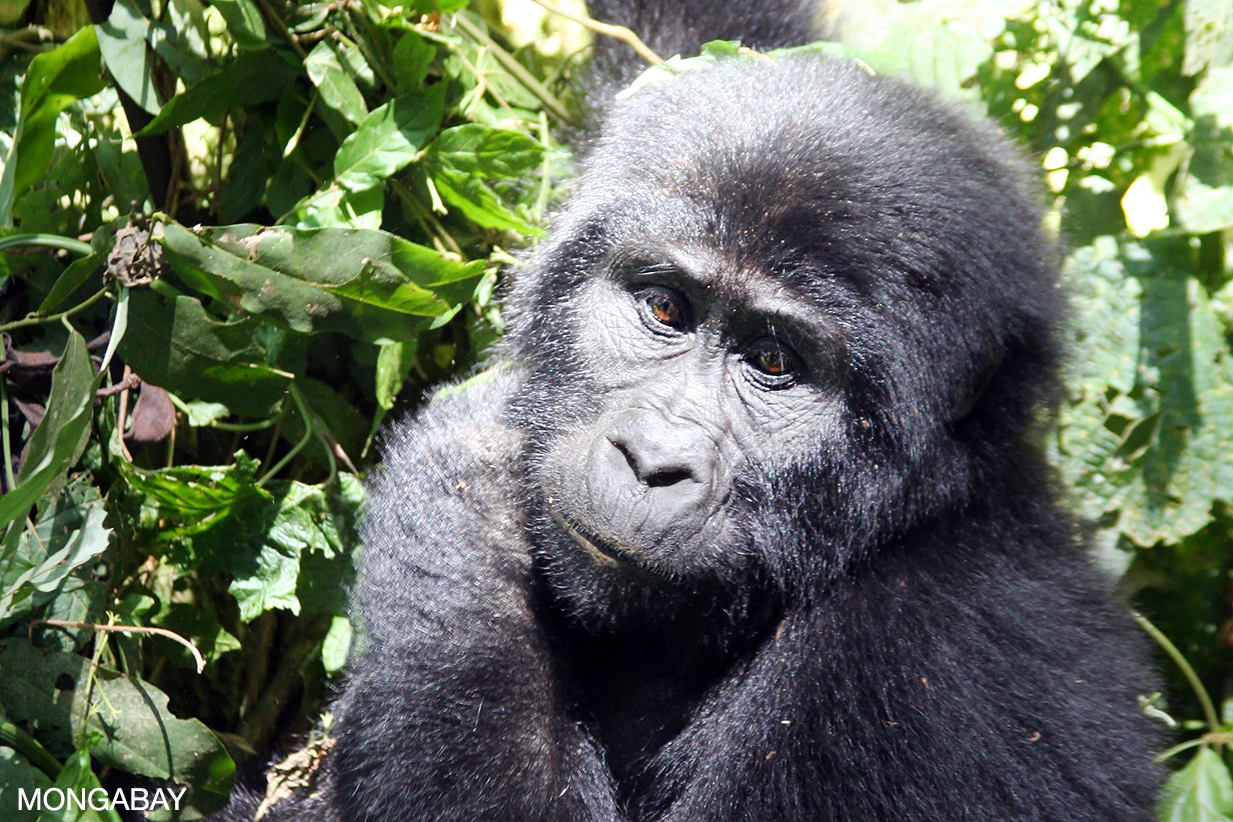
[
  {"x": 136, "y": 732},
  {"x": 366, "y": 284},
  {"x": 1168, "y": 461},
  {"x": 1200, "y": 792},
  {"x": 389, "y": 138},
  {"x": 1209, "y": 35},
  {"x": 34, "y": 564}
]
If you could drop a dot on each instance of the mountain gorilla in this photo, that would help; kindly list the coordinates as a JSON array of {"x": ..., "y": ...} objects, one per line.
[{"x": 751, "y": 518}]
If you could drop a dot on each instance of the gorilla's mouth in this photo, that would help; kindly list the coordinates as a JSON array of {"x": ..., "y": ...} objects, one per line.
[{"x": 596, "y": 548}]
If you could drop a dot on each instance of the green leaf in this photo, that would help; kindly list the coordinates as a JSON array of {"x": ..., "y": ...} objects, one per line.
[
  {"x": 255, "y": 77},
  {"x": 56, "y": 445},
  {"x": 80, "y": 780},
  {"x": 1155, "y": 450},
  {"x": 486, "y": 152},
  {"x": 243, "y": 21},
  {"x": 302, "y": 560},
  {"x": 77, "y": 273},
  {"x": 477, "y": 201},
  {"x": 35, "y": 564},
  {"x": 55, "y": 80},
  {"x": 123, "y": 41},
  {"x": 389, "y": 138},
  {"x": 1200, "y": 792},
  {"x": 366, "y": 284},
  {"x": 18, "y": 776},
  {"x": 177, "y": 345},
  {"x": 410, "y": 60},
  {"x": 337, "y": 645},
  {"x": 338, "y": 90},
  {"x": 136, "y": 732},
  {"x": 1209, "y": 35}
]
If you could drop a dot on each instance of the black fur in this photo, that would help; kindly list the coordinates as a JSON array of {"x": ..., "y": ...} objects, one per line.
[{"x": 899, "y": 621}]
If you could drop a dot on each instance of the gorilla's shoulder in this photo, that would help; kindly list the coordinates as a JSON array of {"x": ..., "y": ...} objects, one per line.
[{"x": 460, "y": 431}]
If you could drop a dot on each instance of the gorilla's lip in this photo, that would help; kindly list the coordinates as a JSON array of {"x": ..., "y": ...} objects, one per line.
[{"x": 597, "y": 549}]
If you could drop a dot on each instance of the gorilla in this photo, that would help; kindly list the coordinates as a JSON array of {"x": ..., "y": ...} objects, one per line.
[{"x": 750, "y": 517}]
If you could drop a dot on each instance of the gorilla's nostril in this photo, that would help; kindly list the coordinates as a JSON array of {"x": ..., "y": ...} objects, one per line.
[
  {"x": 650, "y": 471},
  {"x": 661, "y": 479}
]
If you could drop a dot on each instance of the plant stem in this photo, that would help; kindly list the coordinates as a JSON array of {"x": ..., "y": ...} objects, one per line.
[
  {"x": 1209, "y": 710},
  {"x": 4, "y": 435},
  {"x": 507, "y": 61},
  {"x": 30, "y": 748},
  {"x": 34, "y": 319},
  {"x": 49, "y": 240}
]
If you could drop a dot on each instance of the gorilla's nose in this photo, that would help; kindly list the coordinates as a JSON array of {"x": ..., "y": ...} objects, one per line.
[{"x": 662, "y": 453}]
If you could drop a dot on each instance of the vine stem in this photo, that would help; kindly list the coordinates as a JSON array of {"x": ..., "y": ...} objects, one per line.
[
  {"x": 1209, "y": 709},
  {"x": 34, "y": 319}
]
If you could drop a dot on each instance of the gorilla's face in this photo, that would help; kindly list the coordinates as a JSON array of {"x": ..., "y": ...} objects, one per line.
[
  {"x": 699, "y": 374},
  {"x": 765, "y": 340}
]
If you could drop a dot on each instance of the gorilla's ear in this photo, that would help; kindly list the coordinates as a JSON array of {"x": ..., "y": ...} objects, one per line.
[{"x": 978, "y": 384}]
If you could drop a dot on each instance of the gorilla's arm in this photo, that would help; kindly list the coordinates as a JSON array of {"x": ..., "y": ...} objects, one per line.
[
  {"x": 978, "y": 674},
  {"x": 453, "y": 711}
]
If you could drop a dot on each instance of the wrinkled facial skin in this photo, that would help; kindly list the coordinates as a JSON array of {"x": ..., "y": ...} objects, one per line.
[
  {"x": 700, "y": 377},
  {"x": 696, "y": 374}
]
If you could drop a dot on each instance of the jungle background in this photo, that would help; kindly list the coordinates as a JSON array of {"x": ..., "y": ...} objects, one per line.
[{"x": 239, "y": 235}]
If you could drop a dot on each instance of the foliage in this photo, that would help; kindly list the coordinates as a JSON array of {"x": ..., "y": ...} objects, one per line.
[
  {"x": 188, "y": 409},
  {"x": 204, "y": 325}
]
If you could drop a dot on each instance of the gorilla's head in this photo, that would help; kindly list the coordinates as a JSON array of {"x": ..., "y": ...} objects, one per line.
[{"x": 795, "y": 311}]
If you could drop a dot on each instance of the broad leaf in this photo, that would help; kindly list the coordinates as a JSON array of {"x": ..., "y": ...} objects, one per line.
[
  {"x": 1200, "y": 792},
  {"x": 61, "y": 436},
  {"x": 389, "y": 138},
  {"x": 136, "y": 731},
  {"x": 367, "y": 284}
]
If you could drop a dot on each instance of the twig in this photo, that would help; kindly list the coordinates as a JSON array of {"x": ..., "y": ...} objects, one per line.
[
  {"x": 131, "y": 380},
  {"x": 123, "y": 412},
  {"x": 621, "y": 33},
  {"x": 507, "y": 61},
  {"x": 123, "y": 629},
  {"x": 273, "y": 18}
]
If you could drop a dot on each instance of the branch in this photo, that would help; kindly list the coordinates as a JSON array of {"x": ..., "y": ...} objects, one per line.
[{"x": 625, "y": 35}]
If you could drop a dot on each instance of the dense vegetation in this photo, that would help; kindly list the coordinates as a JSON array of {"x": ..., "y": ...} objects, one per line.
[{"x": 265, "y": 226}]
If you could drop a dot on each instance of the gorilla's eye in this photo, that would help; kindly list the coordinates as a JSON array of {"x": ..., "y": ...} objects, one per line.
[
  {"x": 664, "y": 307},
  {"x": 774, "y": 364}
]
